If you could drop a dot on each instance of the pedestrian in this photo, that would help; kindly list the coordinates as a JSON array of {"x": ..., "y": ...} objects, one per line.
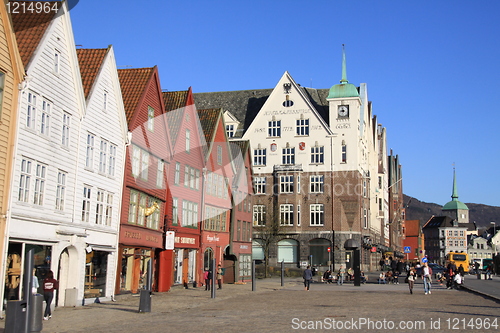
[
  {"x": 36, "y": 285},
  {"x": 450, "y": 272},
  {"x": 427, "y": 277},
  {"x": 308, "y": 275},
  {"x": 49, "y": 285},
  {"x": 412, "y": 274},
  {"x": 341, "y": 274},
  {"x": 207, "y": 276},
  {"x": 327, "y": 277},
  {"x": 489, "y": 270},
  {"x": 220, "y": 273},
  {"x": 381, "y": 263}
]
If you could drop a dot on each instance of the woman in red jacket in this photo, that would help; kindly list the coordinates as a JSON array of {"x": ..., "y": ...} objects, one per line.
[{"x": 49, "y": 285}]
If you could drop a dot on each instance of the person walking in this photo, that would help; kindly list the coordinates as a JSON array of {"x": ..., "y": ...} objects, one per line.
[
  {"x": 427, "y": 277},
  {"x": 341, "y": 274},
  {"x": 220, "y": 273},
  {"x": 308, "y": 275},
  {"x": 450, "y": 272},
  {"x": 207, "y": 276},
  {"x": 412, "y": 274},
  {"x": 49, "y": 285}
]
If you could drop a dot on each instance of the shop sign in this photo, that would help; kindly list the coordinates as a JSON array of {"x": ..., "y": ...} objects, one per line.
[{"x": 169, "y": 240}]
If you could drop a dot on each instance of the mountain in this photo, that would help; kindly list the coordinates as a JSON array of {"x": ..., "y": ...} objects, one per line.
[{"x": 479, "y": 213}]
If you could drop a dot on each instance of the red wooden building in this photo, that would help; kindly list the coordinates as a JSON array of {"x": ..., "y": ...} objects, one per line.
[{"x": 145, "y": 193}]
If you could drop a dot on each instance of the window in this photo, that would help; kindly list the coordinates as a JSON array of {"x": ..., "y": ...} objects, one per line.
[
  {"x": 60, "y": 190},
  {"x": 316, "y": 184},
  {"x": 259, "y": 156},
  {"x": 2, "y": 88},
  {"x": 109, "y": 209},
  {"x": 344, "y": 152},
  {"x": 57, "y": 56},
  {"x": 230, "y": 131},
  {"x": 112, "y": 159},
  {"x": 103, "y": 156},
  {"x": 286, "y": 184},
  {"x": 365, "y": 218},
  {"x": 189, "y": 213},
  {"x": 317, "y": 155},
  {"x": 288, "y": 251},
  {"x": 274, "y": 128},
  {"x": 39, "y": 184},
  {"x": 259, "y": 185},
  {"x": 259, "y": 215},
  {"x": 144, "y": 164},
  {"x": 302, "y": 127},
  {"x": 89, "y": 159},
  {"x": 175, "y": 211},
  {"x": 86, "y": 204},
  {"x": 298, "y": 184},
  {"x": 159, "y": 174},
  {"x": 219, "y": 155},
  {"x": 65, "y": 130},
  {"x": 317, "y": 214},
  {"x": 99, "y": 207},
  {"x": 44, "y": 124},
  {"x": 142, "y": 208},
  {"x": 132, "y": 209},
  {"x": 188, "y": 139},
  {"x": 298, "y": 215},
  {"x": 151, "y": 117},
  {"x": 24, "y": 181},
  {"x": 152, "y": 221},
  {"x": 286, "y": 214},
  {"x": 31, "y": 111},
  {"x": 215, "y": 219},
  {"x": 288, "y": 156},
  {"x": 177, "y": 174}
]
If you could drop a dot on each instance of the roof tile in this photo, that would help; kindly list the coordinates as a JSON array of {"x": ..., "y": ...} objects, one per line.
[
  {"x": 90, "y": 61},
  {"x": 133, "y": 83}
]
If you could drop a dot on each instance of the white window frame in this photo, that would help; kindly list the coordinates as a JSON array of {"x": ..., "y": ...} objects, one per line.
[
  {"x": 274, "y": 129},
  {"x": 31, "y": 110},
  {"x": 286, "y": 214},
  {"x": 87, "y": 196},
  {"x": 89, "y": 159},
  {"x": 159, "y": 173},
  {"x": 40, "y": 179},
  {"x": 61, "y": 190},
  {"x": 151, "y": 117},
  {"x": 302, "y": 128},
  {"x": 45, "y": 118},
  {"x": 177, "y": 173},
  {"x": 112, "y": 159},
  {"x": 259, "y": 185},
  {"x": 65, "y": 129},
  {"x": 25, "y": 180},
  {"x": 316, "y": 184},
  {"x": 103, "y": 156},
  {"x": 317, "y": 215},
  {"x": 287, "y": 184},
  {"x": 288, "y": 156},
  {"x": 108, "y": 209},
  {"x": 318, "y": 155},
  {"x": 259, "y": 156},
  {"x": 259, "y": 215},
  {"x": 99, "y": 210},
  {"x": 188, "y": 141}
]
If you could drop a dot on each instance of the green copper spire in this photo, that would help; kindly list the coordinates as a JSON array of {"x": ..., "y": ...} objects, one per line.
[
  {"x": 344, "y": 67},
  {"x": 454, "y": 204},
  {"x": 454, "y": 193},
  {"x": 344, "y": 89}
]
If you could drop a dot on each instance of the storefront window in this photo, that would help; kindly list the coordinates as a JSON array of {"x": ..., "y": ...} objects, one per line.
[
  {"x": 318, "y": 249},
  {"x": 288, "y": 251},
  {"x": 14, "y": 270},
  {"x": 245, "y": 265},
  {"x": 96, "y": 265}
]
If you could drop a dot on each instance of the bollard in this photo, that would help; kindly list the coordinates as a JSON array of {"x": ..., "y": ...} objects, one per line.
[
  {"x": 253, "y": 275},
  {"x": 282, "y": 273}
]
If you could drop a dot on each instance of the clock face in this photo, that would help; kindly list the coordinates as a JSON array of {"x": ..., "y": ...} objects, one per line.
[{"x": 343, "y": 110}]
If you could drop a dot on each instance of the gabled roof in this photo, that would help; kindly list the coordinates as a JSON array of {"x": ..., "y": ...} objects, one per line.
[
  {"x": 175, "y": 101},
  {"x": 245, "y": 104},
  {"x": 90, "y": 61},
  {"x": 441, "y": 222},
  {"x": 29, "y": 28},
  {"x": 133, "y": 83},
  {"x": 208, "y": 120}
]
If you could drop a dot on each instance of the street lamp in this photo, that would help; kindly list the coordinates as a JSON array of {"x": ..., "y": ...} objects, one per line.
[{"x": 492, "y": 243}]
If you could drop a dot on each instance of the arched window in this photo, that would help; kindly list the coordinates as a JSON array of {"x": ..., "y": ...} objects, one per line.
[
  {"x": 318, "y": 249},
  {"x": 258, "y": 249},
  {"x": 288, "y": 250}
]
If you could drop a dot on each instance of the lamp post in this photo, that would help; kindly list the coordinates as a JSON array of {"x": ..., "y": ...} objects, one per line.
[{"x": 492, "y": 243}]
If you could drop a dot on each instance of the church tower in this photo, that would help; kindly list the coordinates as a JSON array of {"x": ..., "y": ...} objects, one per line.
[{"x": 456, "y": 209}]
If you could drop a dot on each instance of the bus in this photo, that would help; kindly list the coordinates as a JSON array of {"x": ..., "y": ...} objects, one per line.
[{"x": 459, "y": 258}]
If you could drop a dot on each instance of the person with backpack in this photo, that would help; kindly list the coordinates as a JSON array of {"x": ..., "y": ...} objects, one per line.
[{"x": 49, "y": 286}]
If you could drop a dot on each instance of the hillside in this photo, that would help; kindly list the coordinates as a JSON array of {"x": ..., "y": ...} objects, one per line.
[{"x": 481, "y": 214}]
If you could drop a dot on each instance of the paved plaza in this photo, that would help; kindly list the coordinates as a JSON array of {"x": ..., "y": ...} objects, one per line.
[{"x": 272, "y": 308}]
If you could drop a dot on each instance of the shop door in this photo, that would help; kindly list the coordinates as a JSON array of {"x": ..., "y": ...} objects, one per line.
[
  {"x": 229, "y": 271},
  {"x": 185, "y": 268}
]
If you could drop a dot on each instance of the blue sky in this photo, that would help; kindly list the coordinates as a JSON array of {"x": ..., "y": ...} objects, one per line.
[{"x": 431, "y": 67}]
